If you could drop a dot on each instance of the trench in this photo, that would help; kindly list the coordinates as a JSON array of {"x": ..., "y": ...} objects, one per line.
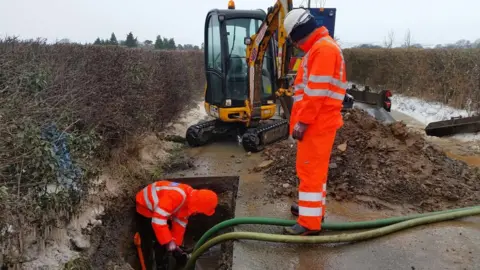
[{"x": 112, "y": 243}]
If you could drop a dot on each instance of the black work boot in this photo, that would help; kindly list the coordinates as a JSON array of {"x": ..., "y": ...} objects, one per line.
[{"x": 298, "y": 229}]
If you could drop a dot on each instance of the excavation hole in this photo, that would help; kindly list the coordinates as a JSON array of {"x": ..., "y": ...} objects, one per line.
[{"x": 112, "y": 243}]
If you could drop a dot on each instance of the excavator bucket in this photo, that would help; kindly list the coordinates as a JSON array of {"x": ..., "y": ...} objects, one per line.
[{"x": 455, "y": 125}]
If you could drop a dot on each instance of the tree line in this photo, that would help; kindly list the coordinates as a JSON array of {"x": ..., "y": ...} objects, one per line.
[
  {"x": 160, "y": 43},
  {"x": 408, "y": 43}
]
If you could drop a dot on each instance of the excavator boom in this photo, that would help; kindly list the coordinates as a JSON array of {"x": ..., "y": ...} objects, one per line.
[{"x": 257, "y": 45}]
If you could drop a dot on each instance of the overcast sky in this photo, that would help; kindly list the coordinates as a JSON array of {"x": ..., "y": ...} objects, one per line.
[{"x": 358, "y": 21}]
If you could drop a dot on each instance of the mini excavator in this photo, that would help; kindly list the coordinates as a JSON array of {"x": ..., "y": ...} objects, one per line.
[{"x": 247, "y": 56}]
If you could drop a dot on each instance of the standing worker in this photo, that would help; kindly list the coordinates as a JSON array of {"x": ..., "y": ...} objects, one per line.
[
  {"x": 319, "y": 91},
  {"x": 164, "y": 202}
]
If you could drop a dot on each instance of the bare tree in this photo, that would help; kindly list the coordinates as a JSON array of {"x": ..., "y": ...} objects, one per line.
[
  {"x": 407, "y": 43},
  {"x": 463, "y": 43},
  {"x": 389, "y": 40},
  {"x": 476, "y": 44},
  {"x": 63, "y": 41}
]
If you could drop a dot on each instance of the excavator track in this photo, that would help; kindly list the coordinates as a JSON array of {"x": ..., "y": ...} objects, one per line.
[
  {"x": 204, "y": 132},
  {"x": 255, "y": 139},
  {"x": 201, "y": 133}
]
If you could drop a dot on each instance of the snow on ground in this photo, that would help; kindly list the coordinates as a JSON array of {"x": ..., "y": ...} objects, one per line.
[
  {"x": 191, "y": 117},
  {"x": 426, "y": 112}
]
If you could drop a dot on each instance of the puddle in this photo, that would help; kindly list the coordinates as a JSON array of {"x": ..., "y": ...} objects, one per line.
[{"x": 470, "y": 160}]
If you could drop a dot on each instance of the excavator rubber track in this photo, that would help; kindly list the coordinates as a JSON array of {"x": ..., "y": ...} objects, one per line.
[
  {"x": 255, "y": 139},
  {"x": 201, "y": 133},
  {"x": 214, "y": 130}
]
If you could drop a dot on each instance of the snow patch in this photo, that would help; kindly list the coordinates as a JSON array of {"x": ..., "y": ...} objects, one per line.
[
  {"x": 56, "y": 249},
  {"x": 54, "y": 257},
  {"x": 427, "y": 112},
  {"x": 192, "y": 117}
]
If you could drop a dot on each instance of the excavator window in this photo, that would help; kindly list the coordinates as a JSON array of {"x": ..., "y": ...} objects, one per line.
[
  {"x": 214, "y": 62},
  {"x": 237, "y": 69},
  {"x": 214, "y": 42}
]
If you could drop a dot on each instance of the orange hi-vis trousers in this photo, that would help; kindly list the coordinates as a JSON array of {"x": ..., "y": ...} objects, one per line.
[{"x": 313, "y": 158}]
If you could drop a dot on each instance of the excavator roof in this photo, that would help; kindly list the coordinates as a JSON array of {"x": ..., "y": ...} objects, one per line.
[
  {"x": 325, "y": 17},
  {"x": 240, "y": 13}
]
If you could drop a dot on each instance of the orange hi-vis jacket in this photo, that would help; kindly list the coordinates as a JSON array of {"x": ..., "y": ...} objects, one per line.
[
  {"x": 164, "y": 200},
  {"x": 320, "y": 85}
]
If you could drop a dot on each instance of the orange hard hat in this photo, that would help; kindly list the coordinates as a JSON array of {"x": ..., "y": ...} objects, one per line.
[{"x": 204, "y": 201}]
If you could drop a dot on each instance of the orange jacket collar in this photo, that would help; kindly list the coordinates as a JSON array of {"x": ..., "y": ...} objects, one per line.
[{"x": 316, "y": 35}]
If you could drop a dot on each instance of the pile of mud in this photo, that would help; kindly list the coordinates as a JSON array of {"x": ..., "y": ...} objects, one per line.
[{"x": 383, "y": 165}]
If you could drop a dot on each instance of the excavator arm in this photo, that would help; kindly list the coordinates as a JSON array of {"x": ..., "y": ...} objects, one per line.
[{"x": 257, "y": 46}]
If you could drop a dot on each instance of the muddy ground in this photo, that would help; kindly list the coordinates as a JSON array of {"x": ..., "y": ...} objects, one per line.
[
  {"x": 446, "y": 245},
  {"x": 385, "y": 166},
  {"x": 380, "y": 166}
]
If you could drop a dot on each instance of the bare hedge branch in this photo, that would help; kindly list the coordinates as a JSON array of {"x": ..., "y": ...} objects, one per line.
[{"x": 63, "y": 108}]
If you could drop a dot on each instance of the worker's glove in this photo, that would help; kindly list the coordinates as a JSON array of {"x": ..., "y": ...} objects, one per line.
[
  {"x": 348, "y": 98},
  {"x": 181, "y": 256},
  {"x": 299, "y": 130},
  {"x": 171, "y": 246}
]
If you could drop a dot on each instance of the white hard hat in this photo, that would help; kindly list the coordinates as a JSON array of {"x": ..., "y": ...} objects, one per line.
[{"x": 299, "y": 23}]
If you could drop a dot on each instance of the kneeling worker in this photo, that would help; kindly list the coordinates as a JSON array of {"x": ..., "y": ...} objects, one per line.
[{"x": 164, "y": 202}]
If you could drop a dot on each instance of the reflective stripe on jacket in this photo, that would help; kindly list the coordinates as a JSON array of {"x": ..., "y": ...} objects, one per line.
[
  {"x": 164, "y": 200},
  {"x": 320, "y": 85}
]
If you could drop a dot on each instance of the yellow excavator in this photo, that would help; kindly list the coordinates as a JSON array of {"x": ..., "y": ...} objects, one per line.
[{"x": 247, "y": 58}]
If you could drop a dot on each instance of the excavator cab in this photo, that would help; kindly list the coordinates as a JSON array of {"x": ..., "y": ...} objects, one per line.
[
  {"x": 243, "y": 77},
  {"x": 226, "y": 65}
]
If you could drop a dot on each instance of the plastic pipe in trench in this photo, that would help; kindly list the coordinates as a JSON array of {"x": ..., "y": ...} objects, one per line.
[{"x": 387, "y": 226}]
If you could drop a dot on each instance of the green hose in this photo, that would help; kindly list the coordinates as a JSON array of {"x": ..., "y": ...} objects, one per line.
[
  {"x": 340, "y": 226},
  {"x": 448, "y": 215}
]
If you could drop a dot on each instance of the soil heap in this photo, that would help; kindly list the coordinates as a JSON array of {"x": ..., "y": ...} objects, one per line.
[{"x": 386, "y": 163}]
